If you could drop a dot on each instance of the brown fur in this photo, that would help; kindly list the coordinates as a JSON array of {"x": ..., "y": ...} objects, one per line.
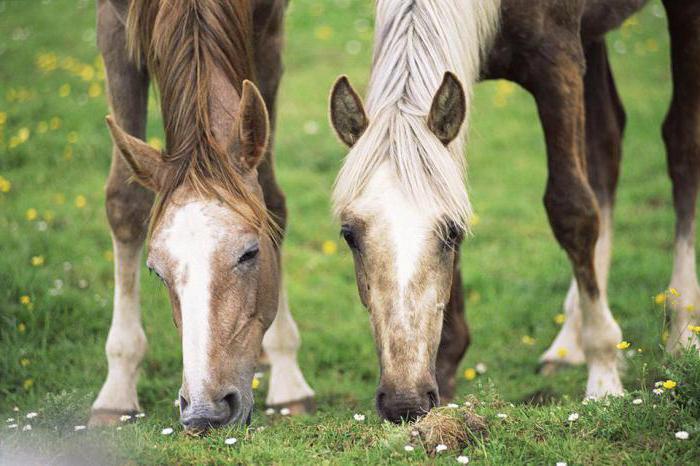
[{"x": 184, "y": 44}]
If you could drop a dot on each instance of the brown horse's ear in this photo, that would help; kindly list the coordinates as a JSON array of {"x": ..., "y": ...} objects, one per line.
[
  {"x": 145, "y": 162},
  {"x": 448, "y": 109},
  {"x": 348, "y": 115},
  {"x": 253, "y": 127}
]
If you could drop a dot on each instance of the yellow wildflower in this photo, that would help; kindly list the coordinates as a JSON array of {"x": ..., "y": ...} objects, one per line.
[
  {"x": 674, "y": 292},
  {"x": 669, "y": 385},
  {"x": 559, "y": 319},
  {"x": 690, "y": 308},
  {"x": 474, "y": 220},
  {"x": 37, "y": 261},
  {"x": 623, "y": 345},
  {"x": 562, "y": 352},
  {"x": 527, "y": 340},
  {"x": 25, "y": 299},
  {"x": 323, "y": 32},
  {"x": 24, "y": 362},
  {"x": 55, "y": 123},
  {"x": 329, "y": 247},
  {"x": 21, "y": 328},
  {"x": 3, "y": 118},
  {"x": 470, "y": 374},
  {"x": 156, "y": 143},
  {"x": 256, "y": 383},
  {"x": 72, "y": 137},
  {"x": 31, "y": 214},
  {"x": 27, "y": 384},
  {"x": 95, "y": 90},
  {"x": 694, "y": 328},
  {"x": 660, "y": 298},
  {"x": 5, "y": 185},
  {"x": 23, "y": 134},
  {"x": 87, "y": 73},
  {"x": 80, "y": 201},
  {"x": 64, "y": 90}
]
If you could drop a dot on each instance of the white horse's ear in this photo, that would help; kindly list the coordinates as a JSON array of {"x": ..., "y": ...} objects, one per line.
[
  {"x": 253, "y": 126},
  {"x": 145, "y": 162},
  {"x": 348, "y": 115},
  {"x": 448, "y": 109}
]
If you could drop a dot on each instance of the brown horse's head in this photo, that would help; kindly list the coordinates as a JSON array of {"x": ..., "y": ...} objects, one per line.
[
  {"x": 403, "y": 245},
  {"x": 212, "y": 249}
]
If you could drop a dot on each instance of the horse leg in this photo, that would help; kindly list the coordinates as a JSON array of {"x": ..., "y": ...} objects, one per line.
[
  {"x": 281, "y": 343},
  {"x": 605, "y": 122},
  {"x": 128, "y": 206},
  {"x": 681, "y": 132},
  {"x": 454, "y": 339},
  {"x": 572, "y": 209}
]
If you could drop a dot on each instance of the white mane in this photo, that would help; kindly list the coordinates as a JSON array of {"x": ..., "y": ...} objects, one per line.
[{"x": 416, "y": 41}]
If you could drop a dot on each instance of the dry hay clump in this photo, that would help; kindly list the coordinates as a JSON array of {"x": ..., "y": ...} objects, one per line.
[{"x": 453, "y": 427}]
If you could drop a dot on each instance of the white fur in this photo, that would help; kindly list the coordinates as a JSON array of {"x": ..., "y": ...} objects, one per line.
[
  {"x": 126, "y": 342},
  {"x": 686, "y": 307},
  {"x": 190, "y": 239},
  {"x": 569, "y": 337},
  {"x": 416, "y": 43},
  {"x": 281, "y": 343}
]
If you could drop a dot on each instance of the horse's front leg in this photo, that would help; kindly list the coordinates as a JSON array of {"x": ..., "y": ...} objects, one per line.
[
  {"x": 128, "y": 206},
  {"x": 572, "y": 208}
]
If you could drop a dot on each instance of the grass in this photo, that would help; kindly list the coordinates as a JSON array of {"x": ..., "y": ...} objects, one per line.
[{"x": 515, "y": 276}]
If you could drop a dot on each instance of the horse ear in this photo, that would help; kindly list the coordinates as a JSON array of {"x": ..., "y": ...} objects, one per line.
[
  {"x": 145, "y": 162},
  {"x": 253, "y": 126},
  {"x": 448, "y": 109},
  {"x": 348, "y": 115}
]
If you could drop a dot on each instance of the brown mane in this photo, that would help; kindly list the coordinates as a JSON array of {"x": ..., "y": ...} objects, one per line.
[{"x": 182, "y": 42}]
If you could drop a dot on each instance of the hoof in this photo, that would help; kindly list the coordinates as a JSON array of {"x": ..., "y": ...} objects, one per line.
[
  {"x": 296, "y": 408},
  {"x": 108, "y": 417}
]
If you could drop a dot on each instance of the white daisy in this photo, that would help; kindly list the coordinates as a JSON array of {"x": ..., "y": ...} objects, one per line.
[
  {"x": 16, "y": 409},
  {"x": 463, "y": 459},
  {"x": 467, "y": 404},
  {"x": 167, "y": 431},
  {"x": 359, "y": 417},
  {"x": 682, "y": 435},
  {"x": 408, "y": 448},
  {"x": 26, "y": 428},
  {"x": 10, "y": 419},
  {"x": 78, "y": 428},
  {"x": 32, "y": 415},
  {"x": 415, "y": 433},
  {"x": 176, "y": 402},
  {"x": 440, "y": 447},
  {"x": 501, "y": 415},
  {"x": 285, "y": 411},
  {"x": 12, "y": 426},
  {"x": 658, "y": 384},
  {"x": 637, "y": 401},
  {"x": 452, "y": 405},
  {"x": 270, "y": 411},
  {"x": 124, "y": 417},
  {"x": 140, "y": 415},
  {"x": 230, "y": 440},
  {"x": 573, "y": 417},
  {"x": 561, "y": 463},
  {"x": 480, "y": 368},
  {"x": 658, "y": 391},
  {"x": 259, "y": 375}
]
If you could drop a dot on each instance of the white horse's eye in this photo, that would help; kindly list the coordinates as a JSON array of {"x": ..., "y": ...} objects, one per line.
[{"x": 250, "y": 254}]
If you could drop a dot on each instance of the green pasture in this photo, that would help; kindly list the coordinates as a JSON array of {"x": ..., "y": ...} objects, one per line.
[{"x": 56, "y": 267}]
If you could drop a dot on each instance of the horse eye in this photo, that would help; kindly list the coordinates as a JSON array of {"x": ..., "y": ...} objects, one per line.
[
  {"x": 452, "y": 235},
  {"x": 349, "y": 236},
  {"x": 249, "y": 255}
]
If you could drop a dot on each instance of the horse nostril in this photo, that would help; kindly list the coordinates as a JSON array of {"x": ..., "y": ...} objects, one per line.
[
  {"x": 233, "y": 401},
  {"x": 381, "y": 400},
  {"x": 183, "y": 403},
  {"x": 433, "y": 399}
]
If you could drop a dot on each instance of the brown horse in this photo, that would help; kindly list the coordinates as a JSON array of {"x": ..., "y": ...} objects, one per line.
[
  {"x": 402, "y": 201},
  {"x": 219, "y": 215}
]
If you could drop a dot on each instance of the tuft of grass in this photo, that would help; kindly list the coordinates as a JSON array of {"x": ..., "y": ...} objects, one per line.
[{"x": 453, "y": 427}]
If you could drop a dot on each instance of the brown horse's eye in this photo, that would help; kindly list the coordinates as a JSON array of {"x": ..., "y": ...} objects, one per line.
[
  {"x": 349, "y": 237},
  {"x": 452, "y": 235},
  {"x": 250, "y": 254}
]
